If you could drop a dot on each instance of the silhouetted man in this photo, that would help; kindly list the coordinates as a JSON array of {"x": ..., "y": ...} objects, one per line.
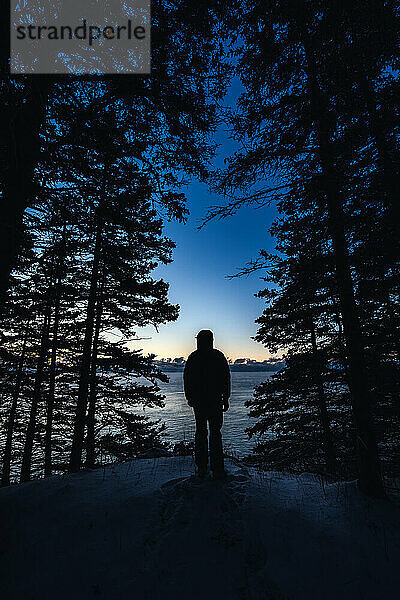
[{"x": 207, "y": 383}]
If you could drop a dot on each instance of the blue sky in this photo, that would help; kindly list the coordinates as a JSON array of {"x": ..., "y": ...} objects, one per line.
[
  {"x": 198, "y": 283},
  {"x": 198, "y": 275}
]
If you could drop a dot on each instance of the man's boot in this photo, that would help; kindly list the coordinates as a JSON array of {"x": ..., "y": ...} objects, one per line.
[
  {"x": 201, "y": 472},
  {"x": 219, "y": 475}
]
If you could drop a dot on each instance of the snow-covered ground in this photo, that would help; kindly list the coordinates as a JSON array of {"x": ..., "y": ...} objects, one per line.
[{"x": 147, "y": 530}]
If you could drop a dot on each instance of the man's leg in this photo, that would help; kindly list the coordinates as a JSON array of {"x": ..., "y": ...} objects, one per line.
[
  {"x": 216, "y": 454},
  {"x": 200, "y": 441}
]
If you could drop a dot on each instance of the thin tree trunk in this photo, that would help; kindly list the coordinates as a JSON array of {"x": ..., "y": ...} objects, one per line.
[
  {"x": 369, "y": 470},
  {"x": 52, "y": 378},
  {"x": 341, "y": 342},
  {"x": 79, "y": 424},
  {"x": 5, "y": 479},
  {"x": 369, "y": 481},
  {"x": 30, "y": 432},
  {"x": 323, "y": 411},
  {"x": 53, "y": 360},
  {"x": 81, "y": 407},
  {"x": 395, "y": 329},
  {"x": 91, "y": 417}
]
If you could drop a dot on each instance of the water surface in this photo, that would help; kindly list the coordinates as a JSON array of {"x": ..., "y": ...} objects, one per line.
[{"x": 179, "y": 419}]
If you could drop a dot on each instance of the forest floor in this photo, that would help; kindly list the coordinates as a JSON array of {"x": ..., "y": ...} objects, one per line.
[{"x": 149, "y": 530}]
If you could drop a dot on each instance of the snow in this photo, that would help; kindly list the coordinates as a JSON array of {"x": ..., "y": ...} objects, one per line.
[{"x": 148, "y": 529}]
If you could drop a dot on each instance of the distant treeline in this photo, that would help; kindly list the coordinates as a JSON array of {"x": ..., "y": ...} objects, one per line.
[{"x": 174, "y": 367}]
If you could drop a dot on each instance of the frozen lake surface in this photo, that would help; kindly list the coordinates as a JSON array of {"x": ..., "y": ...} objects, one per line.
[{"x": 179, "y": 419}]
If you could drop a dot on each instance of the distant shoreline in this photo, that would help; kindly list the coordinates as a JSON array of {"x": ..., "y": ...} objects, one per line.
[{"x": 233, "y": 368}]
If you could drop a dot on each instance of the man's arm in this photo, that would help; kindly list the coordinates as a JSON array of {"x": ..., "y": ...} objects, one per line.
[
  {"x": 187, "y": 381},
  {"x": 226, "y": 383}
]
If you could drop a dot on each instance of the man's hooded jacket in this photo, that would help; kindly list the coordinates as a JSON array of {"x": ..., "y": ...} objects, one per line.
[{"x": 207, "y": 378}]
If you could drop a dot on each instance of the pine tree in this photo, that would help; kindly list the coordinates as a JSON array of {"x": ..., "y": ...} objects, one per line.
[{"x": 312, "y": 73}]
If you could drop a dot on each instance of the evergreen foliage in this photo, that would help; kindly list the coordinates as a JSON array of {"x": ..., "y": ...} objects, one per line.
[
  {"x": 317, "y": 124},
  {"x": 90, "y": 170}
]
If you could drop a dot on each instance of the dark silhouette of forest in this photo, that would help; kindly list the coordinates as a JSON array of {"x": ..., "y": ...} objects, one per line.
[{"x": 91, "y": 168}]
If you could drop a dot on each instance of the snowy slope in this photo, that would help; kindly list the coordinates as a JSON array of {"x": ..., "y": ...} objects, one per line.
[{"x": 148, "y": 530}]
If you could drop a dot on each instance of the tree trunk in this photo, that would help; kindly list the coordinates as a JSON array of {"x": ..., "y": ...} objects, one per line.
[
  {"x": 394, "y": 333},
  {"x": 369, "y": 481},
  {"x": 91, "y": 417},
  {"x": 53, "y": 359},
  {"x": 369, "y": 470},
  {"x": 5, "y": 479},
  {"x": 79, "y": 424},
  {"x": 30, "y": 432},
  {"x": 52, "y": 380},
  {"x": 323, "y": 411}
]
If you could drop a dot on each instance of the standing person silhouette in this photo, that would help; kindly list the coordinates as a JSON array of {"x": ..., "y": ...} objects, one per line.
[{"x": 207, "y": 384}]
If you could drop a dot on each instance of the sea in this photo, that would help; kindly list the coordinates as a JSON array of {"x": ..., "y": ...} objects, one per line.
[{"x": 179, "y": 420}]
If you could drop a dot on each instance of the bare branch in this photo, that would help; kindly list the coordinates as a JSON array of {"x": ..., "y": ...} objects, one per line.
[{"x": 259, "y": 199}]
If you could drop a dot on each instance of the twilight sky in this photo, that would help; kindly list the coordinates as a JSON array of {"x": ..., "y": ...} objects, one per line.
[{"x": 197, "y": 277}]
